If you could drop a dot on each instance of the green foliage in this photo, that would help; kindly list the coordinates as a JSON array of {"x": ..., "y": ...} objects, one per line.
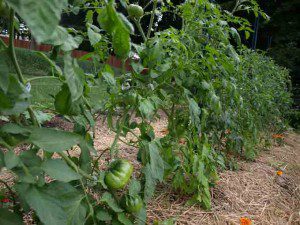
[{"x": 220, "y": 103}]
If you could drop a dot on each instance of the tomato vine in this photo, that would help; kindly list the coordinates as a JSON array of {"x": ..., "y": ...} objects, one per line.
[{"x": 220, "y": 99}]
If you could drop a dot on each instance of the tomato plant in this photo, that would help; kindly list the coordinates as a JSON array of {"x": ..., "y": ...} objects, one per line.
[{"x": 200, "y": 76}]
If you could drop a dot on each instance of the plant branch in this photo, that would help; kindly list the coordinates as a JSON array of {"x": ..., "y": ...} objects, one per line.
[
  {"x": 75, "y": 167},
  {"x": 11, "y": 47},
  {"x": 152, "y": 19},
  {"x": 235, "y": 7},
  {"x": 138, "y": 24},
  {"x": 95, "y": 162},
  {"x": 12, "y": 52}
]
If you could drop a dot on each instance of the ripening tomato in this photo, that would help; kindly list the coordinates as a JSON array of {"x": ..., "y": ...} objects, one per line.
[
  {"x": 132, "y": 204},
  {"x": 118, "y": 174},
  {"x": 135, "y": 11}
]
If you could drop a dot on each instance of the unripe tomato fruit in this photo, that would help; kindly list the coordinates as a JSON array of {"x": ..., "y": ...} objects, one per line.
[
  {"x": 118, "y": 174},
  {"x": 132, "y": 204},
  {"x": 135, "y": 11}
]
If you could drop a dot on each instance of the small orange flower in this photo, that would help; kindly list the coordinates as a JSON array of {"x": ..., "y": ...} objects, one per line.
[
  {"x": 227, "y": 131},
  {"x": 279, "y": 173},
  {"x": 164, "y": 131},
  {"x": 277, "y": 136},
  {"x": 245, "y": 221},
  {"x": 182, "y": 141}
]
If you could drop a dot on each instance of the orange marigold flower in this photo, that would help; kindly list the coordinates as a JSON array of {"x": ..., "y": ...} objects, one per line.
[
  {"x": 182, "y": 141},
  {"x": 279, "y": 173},
  {"x": 245, "y": 221},
  {"x": 164, "y": 131},
  {"x": 277, "y": 136}
]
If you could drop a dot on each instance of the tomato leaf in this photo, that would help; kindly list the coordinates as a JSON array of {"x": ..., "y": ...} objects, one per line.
[
  {"x": 52, "y": 140},
  {"x": 103, "y": 215},
  {"x": 59, "y": 170},
  {"x": 156, "y": 162},
  {"x": 111, "y": 202},
  {"x": 134, "y": 187},
  {"x": 42, "y": 17},
  {"x": 123, "y": 219},
  {"x": 11, "y": 160},
  {"x": 9, "y": 218}
]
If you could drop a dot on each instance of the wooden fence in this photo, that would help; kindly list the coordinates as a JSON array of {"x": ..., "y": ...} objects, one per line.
[{"x": 112, "y": 60}]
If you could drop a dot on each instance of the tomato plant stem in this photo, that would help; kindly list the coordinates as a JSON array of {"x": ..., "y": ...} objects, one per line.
[
  {"x": 12, "y": 53},
  {"x": 75, "y": 167},
  {"x": 151, "y": 19},
  {"x": 138, "y": 24},
  {"x": 12, "y": 47}
]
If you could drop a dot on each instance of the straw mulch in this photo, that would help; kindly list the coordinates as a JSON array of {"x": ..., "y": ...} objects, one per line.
[{"x": 254, "y": 191}]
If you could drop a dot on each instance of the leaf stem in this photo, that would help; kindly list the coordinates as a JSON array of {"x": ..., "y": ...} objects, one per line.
[
  {"x": 151, "y": 19},
  {"x": 75, "y": 167},
  {"x": 42, "y": 77}
]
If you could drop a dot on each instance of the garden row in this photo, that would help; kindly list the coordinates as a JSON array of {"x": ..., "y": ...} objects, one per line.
[{"x": 222, "y": 102}]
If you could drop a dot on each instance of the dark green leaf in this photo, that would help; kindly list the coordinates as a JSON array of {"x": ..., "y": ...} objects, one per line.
[
  {"x": 156, "y": 162},
  {"x": 63, "y": 102},
  {"x": 94, "y": 37},
  {"x": 11, "y": 160},
  {"x": 59, "y": 170},
  {"x": 48, "y": 208},
  {"x": 42, "y": 17},
  {"x": 121, "y": 42},
  {"x": 141, "y": 217},
  {"x": 103, "y": 215},
  {"x": 123, "y": 219},
  {"x": 111, "y": 202},
  {"x": 150, "y": 182},
  {"x": 52, "y": 140},
  {"x": 62, "y": 38},
  {"x": 74, "y": 77},
  {"x": 146, "y": 108},
  {"x": 134, "y": 187},
  {"x": 16, "y": 100},
  {"x": 71, "y": 200},
  {"x": 9, "y": 218}
]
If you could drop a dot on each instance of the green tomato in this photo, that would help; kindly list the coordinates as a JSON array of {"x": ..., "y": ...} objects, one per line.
[
  {"x": 135, "y": 11},
  {"x": 132, "y": 204},
  {"x": 118, "y": 174}
]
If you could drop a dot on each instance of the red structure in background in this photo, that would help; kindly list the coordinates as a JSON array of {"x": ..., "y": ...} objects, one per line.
[{"x": 112, "y": 60}]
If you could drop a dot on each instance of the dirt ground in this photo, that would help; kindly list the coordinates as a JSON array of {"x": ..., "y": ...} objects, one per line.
[{"x": 255, "y": 191}]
